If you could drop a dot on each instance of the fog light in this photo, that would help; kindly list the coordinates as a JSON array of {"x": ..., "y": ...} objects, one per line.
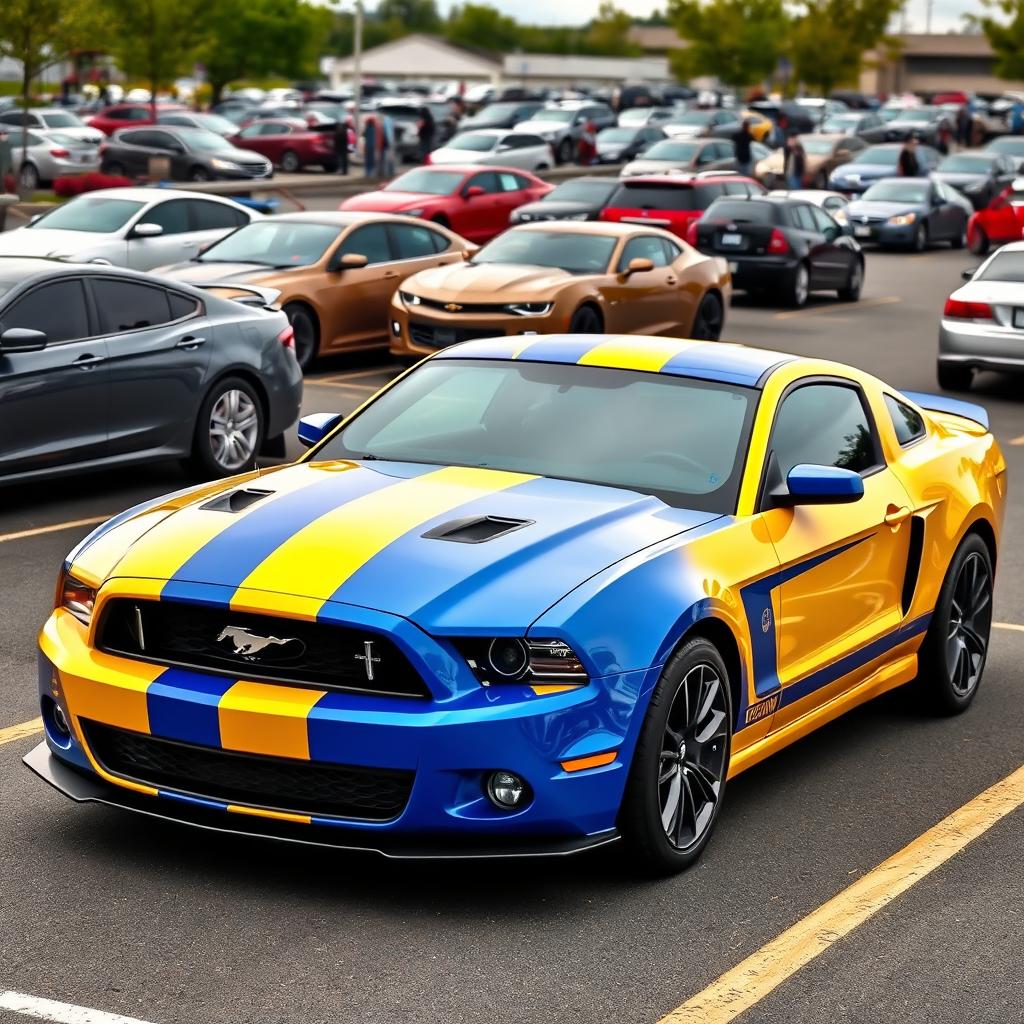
[
  {"x": 396, "y": 328},
  {"x": 60, "y": 723},
  {"x": 506, "y": 789}
]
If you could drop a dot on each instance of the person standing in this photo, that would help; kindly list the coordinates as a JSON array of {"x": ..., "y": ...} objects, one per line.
[
  {"x": 796, "y": 163},
  {"x": 908, "y": 165},
  {"x": 586, "y": 149},
  {"x": 963, "y": 126},
  {"x": 341, "y": 130},
  {"x": 387, "y": 145},
  {"x": 427, "y": 129},
  {"x": 744, "y": 156},
  {"x": 370, "y": 145}
]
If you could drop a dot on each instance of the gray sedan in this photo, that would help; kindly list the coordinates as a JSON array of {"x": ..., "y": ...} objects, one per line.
[
  {"x": 49, "y": 155},
  {"x": 101, "y": 366},
  {"x": 982, "y": 324}
]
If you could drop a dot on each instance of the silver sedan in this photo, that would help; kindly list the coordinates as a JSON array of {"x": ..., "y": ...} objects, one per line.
[
  {"x": 49, "y": 155},
  {"x": 982, "y": 324}
]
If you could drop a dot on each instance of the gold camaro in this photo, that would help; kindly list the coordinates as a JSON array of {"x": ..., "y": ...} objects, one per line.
[{"x": 556, "y": 277}]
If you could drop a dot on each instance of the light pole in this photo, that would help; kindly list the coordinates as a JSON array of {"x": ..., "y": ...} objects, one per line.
[{"x": 357, "y": 65}]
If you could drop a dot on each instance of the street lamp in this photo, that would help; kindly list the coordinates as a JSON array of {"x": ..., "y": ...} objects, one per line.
[{"x": 357, "y": 58}]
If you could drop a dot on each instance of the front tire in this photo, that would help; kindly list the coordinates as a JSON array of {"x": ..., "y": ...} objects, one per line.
[
  {"x": 199, "y": 174},
  {"x": 564, "y": 153},
  {"x": 710, "y": 318},
  {"x": 229, "y": 430},
  {"x": 290, "y": 162},
  {"x": 800, "y": 287},
  {"x": 586, "y": 320},
  {"x": 677, "y": 778},
  {"x": 850, "y": 292},
  {"x": 920, "y": 242}
]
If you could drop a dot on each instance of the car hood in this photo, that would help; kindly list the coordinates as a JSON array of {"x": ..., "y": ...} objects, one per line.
[
  {"x": 388, "y": 202},
  {"x": 361, "y": 534},
  {"x": 878, "y": 208},
  {"x": 487, "y": 282},
  {"x": 44, "y": 242},
  {"x": 197, "y": 272},
  {"x": 551, "y": 210}
]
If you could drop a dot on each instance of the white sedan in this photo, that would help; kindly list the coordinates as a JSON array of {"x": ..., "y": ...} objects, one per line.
[
  {"x": 140, "y": 228},
  {"x": 498, "y": 146}
]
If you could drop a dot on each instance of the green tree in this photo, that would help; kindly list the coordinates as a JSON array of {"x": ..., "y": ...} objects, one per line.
[
  {"x": 608, "y": 33},
  {"x": 829, "y": 37},
  {"x": 411, "y": 15},
  {"x": 738, "y": 41},
  {"x": 1005, "y": 34},
  {"x": 482, "y": 25}
]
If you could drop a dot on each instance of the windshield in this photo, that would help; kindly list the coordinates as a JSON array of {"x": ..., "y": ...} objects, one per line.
[
  {"x": 647, "y": 432},
  {"x": 62, "y": 119},
  {"x": 816, "y": 147},
  {"x": 199, "y": 140},
  {"x": 582, "y": 192},
  {"x": 841, "y": 123},
  {"x": 693, "y": 117},
  {"x": 1004, "y": 266},
  {"x": 280, "y": 243},
  {"x": 546, "y": 114},
  {"x": 920, "y": 114},
  {"x": 498, "y": 112},
  {"x": 617, "y": 135},
  {"x": 914, "y": 192},
  {"x": 883, "y": 156},
  {"x": 1011, "y": 146},
  {"x": 216, "y": 123},
  {"x": 742, "y": 211},
  {"x": 90, "y": 213},
  {"x": 577, "y": 254},
  {"x": 473, "y": 142},
  {"x": 426, "y": 182},
  {"x": 966, "y": 164},
  {"x": 681, "y": 151}
]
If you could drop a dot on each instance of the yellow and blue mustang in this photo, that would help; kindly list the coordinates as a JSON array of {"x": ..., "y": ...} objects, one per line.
[{"x": 538, "y": 594}]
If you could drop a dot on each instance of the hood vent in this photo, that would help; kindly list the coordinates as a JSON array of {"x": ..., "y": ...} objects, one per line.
[
  {"x": 236, "y": 501},
  {"x": 476, "y": 529}
]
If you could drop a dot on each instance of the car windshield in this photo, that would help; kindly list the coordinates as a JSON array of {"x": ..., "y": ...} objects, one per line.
[
  {"x": 616, "y": 135},
  {"x": 647, "y": 432},
  {"x": 577, "y": 254},
  {"x": 920, "y": 114},
  {"x": 841, "y": 123},
  {"x": 497, "y": 112},
  {"x": 547, "y": 114},
  {"x": 581, "y": 192},
  {"x": 882, "y": 156},
  {"x": 742, "y": 211},
  {"x": 817, "y": 147},
  {"x": 90, "y": 213},
  {"x": 965, "y": 164},
  {"x": 199, "y": 140},
  {"x": 693, "y": 117},
  {"x": 473, "y": 142},
  {"x": 281, "y": 243},
  {"x": 669, "y": 150},
  {"x": 426, "y": 182},
  {"x": 216, "y": 123},
  {"x": 62, "y": 119},
  {"x": 1004, "y": 266},
  {"x": 1007, "y": 144},
  {"x": 914, "y": 192}
]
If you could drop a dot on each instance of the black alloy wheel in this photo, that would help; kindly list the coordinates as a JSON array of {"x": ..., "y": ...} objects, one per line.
[
  {"x": 290, "y": 162},
  {"x": 307, "y": 333},
  {"x": 850, "y": 292},
  {"x": 586, "y": 320},
  {"x": 710, "y": 318}
]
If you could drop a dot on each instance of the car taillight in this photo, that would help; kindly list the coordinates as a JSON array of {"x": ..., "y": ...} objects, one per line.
[
  {"x": 102, "y": 149},
  {"x": 777, "y": 244},
  {"x": 691, "y": 233},
  {"x": 60, "y": 153},
  {"x": 961, "y": 310},
  {"x": 287, "y": 337}
]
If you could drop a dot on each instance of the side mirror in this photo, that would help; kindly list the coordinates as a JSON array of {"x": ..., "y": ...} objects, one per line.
[
  {"x": 473, "y": 191},
  {"x": 639, "y": 265},
  {"x": 22, "y": 339},
  {"x": 350, "y": 261},
  {"x": 145, "y": 230},
  {"x": 467, "y": 254},
  {"x": 819, "y": 485},
  {"x": 316, "y": 426},
  {"x": 968, "y": 274}
]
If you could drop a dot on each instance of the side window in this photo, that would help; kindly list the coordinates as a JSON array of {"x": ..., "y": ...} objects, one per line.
[
  {"x": 251, "y": 131},
  {"x": 370, "y": 241},
  {"x": 736, "y": 188},
  {"x": 207, "y": 216},
  {"x": 182, "y": 305},
  {"x": 511, "y": 182},
  {"x": 513, "y": 141},
  {"x": 120, "y": 114},
  {"x": 137, "y": 114},
  {"x": 823, "y": 221},
  {"x": 646, "y": 247},
  {"x": 144, "y": 137},
  {"x": 907, "y": 422},
  {"x": 707, "y": 194},
  {"x": 175, "y": 119},
  {"x": 834, "y": 203},
  {"x": 804, "y": 218},
  {"x": 172, "y": 216},
  {"x": 128, "y": 305},
  {"x": 57, "y": 309},
  {"x": 532, "y": 140},
  {"x": 823, "y": 425},
  {"x": 488, "y": 181},
  {"x": 672, "y": 251},
  {"x": 412, "y": 243},
  {"x": 275, "y": 129}
]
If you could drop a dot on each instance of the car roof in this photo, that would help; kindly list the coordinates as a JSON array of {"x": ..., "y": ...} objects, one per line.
[
  {"x": 467, "y": 169},
  {"x": 681, "y": 180},
  {"x": 18, "y": 269},
  {"x": 147, "y": 195},
  {"x": 338, "y": 218},
  {"x": 592, "y": 227},
  {"x": 713, "y": 361}
]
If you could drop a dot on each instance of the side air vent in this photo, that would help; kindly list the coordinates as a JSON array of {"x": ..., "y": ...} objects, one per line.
[
  {"x": 236, "y": 501},
  {"x": 476, "y": 529}
]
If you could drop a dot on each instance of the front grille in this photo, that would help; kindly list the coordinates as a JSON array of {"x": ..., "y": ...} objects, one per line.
[
  {"x": 437, "y": 336},
  {"x": 467, "y": 307},
  {"x": 261, "y": 647},
  {"x": 272, "y": 783}
]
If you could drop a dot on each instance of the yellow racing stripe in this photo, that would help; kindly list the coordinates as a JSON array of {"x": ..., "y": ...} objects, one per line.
[
  {"x": 322, "y": 556},
  {"x": 628, "y": 353},
  {"x": 261, "y": 718},
  {"x": 260, "y": 812}
]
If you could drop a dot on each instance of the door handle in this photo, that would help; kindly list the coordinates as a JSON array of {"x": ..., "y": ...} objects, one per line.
[
  {"x": 390, "y": 274},
  {"x": 87, "y": 362},
  {"x": 190, "y": 342},
  {"x": 670, "y": 280},
  {"x": 897, "y": 514}
]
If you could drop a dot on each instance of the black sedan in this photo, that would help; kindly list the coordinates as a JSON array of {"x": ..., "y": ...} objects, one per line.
[
  {"x": 576, "y": 199},
  {"x": 911, "y": 213},
  {"x": 980, "y": 176},
  {"x": 191, "y": 154},
  {"x": 101, "y": 366},
  {"x": 785, "y": 248},
  {"x": 923, "y": 123},
  {"x": 617, "y": 145}
]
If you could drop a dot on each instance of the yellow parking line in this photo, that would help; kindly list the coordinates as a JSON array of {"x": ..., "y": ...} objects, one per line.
[
  {"x": 17, "y": 732},
  {"x": 1008, "y": 625},
  {"x": 344, "y": 386},
  {"x": 749, "y": 982},
  {"x": 354, "y": 376},
  {"x": 53, "y": 528},
  {"x": 843, "y": 307}
]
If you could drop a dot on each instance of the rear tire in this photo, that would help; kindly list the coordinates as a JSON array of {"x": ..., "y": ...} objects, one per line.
[
  {"x": 441, "y": 219},
  {"x": 959, "y": 240},
  {"x": 28, "y": 177},
  {"x": 229, "y": 430},
  {"x": 307, "y": 332},
  {"x": 564, "y": 151},
  {"x": 709, "y": 319},
  {"x": 290, "y": 162},
  {"x": 954, "y": 376},
  {"x": 854, "y": 284},
  {"x": 586, "y": 320},
  {"x": 799, "y": 287}
]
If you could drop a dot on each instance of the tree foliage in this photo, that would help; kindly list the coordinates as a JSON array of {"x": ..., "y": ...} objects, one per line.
[
  {"x": 1004, "y": 28},
  {"x": 473, "y": 24},
  {"x": 609, "y": 32}
]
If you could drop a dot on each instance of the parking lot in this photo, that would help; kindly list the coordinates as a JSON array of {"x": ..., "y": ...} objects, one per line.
[{"x": 136, "y": 917}]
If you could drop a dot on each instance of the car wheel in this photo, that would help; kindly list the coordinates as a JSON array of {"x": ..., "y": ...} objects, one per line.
[
  {"x": 307, "y": 332},
  {"x": 586, "y": 320},
  {"x": 955, "y": 376},
  {"x": 114, "y": 169},
  {"x": 199, "y": 174},
  {"x": 441, "y": 219},
  {"x": 229, "y": 430},
  {"x": 290, "y": 161},
  {"x": 710, "y": 318},
  {"x": 800, "y": 287},
  {"x": 677, "y": 779},
  {"x": 920, "y": 242},
  {"x": 952, "y": 658},
  {"x": 564, "y": 151},
  {"x": 959, "y": 240},
  {"x": 28, "y": 177},
  {"x": 854, "y": 283},
  {"x": 978, "y": 242}
]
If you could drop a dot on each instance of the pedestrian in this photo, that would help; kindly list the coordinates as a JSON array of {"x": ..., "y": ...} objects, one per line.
[
  {"x": 586, "y": 148},
  {"x": 963, "y": 126},
  {"x": 370, "y": 146},
  {"x": 944, "y": 137},
  {"x": 744, "y": 157},
  {"x": 796, "y": 163},
  {"x": 1017, "y": 117},
  {"x": 386, "y": 142},
  {"x": 426, "y": 133},
  {"x": 341, "y": 143},
  {"x": 781, "y": 130},
  {"x": 908, "y": 165}
]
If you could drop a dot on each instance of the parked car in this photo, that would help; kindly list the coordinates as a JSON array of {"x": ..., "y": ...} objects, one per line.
[
  {"x": 496, "y": 146},
  {"x": 193, "y": 119},
  {"x": 49, "y": 155},
  {"x": 1011, "y": 146},
  {"x": 139, "y": 228},
  {"x": 834, "y": 203},
  {"x": 562, "y": 126},
  {"x": 877, "y": 162},
  {"x": 616, "y": 145},
  {"x": 128, "y": 115},
  {"x": 782, "y": 247},
  {"x": 1000, "y": 222},
  {"x": 824, "y": 153},
  {"x": 193, "y": 154},
  {"x": 475, "y": 202},
  {"x": 640, "y": 117},
  {"x": 799, "y": 119},
  {"x": 911, "y": 213},
  {"x": 406, "y": 117},
  {"x": 674, "y": 201},
  {"x": 500, "y": 115},
  {"x": 289, "y": 144},
  {"x": 334, "y": 273},
  {"x": 102, "y": 366},
  {"x": 575, "y": 199},
  {"x": 978, "y": 175},
  {"x": 674, "y": 155},
  {"x": 692, "y": 124},
  {"x": 865, "y": 124},
  {"x": 922, "y": 122},
  {"x": 52, "y": 120}
]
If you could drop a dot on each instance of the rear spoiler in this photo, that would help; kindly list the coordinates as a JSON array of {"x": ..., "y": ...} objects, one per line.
[
  {"x": 940, "y": 403},
  {"x": 260, "y": 296}
]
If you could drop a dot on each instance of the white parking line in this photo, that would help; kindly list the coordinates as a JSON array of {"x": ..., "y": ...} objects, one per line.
[
  {"x": 61, "y": 1013},
  {"x": 54, "y": 528}
]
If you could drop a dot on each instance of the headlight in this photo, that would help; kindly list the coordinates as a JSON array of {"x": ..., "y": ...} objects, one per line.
[
  {"x": 409, "y": 299},
  {"x": 529, "y": 308},
  {"x": 414, "y": 213},
  {"x": 839, "y": 216},
  {"x": 902, "y": 219},
  {"x": 223, "y": 165},
  {"x": 513, "y": 659},
  {"x": 75, "y": 596}
]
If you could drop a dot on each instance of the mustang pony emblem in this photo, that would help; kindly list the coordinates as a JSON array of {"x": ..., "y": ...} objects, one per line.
[{"x": 247, "y": 644}]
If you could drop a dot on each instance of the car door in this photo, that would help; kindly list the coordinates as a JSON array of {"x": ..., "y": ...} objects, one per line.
[
  {"x": 840, "y": 252},
  {"x": 480, "y": 217},
  {"x": 842, "y": 566},
  {"x": 511, "y": 151},
  {"x": 274, "y": 141},
  {"x": 132, "y": 150},
  {"x": 945, "y": 217},
  {"x": 648, "y": 301},
  {"x": 363, "y": 293},
  {"x": 53, "y": 402},
  {"x": 173, "y": 243},
  {"x": 821, "y": 254},
  {"x": 158, "y": 349}
]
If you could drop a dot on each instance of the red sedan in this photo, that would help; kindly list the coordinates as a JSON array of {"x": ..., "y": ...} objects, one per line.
[
  {"x": 1000, "y": 222},
  {"x": 128, "y": 115},
  {"x": 674, "y": 201},
  {"x": 475, "y": 202},
  {"x": 289, "y": 143}
]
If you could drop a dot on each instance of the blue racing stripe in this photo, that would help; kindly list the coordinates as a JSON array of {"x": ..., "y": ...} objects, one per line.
[
  {"x": 560, "y": 348},
  {"x": 732, "y": 364},
  {"x": 196, "y": 801},
  {"x": 183, "y": 706}
]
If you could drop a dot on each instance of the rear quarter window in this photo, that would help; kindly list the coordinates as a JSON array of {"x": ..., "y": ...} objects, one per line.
[{"x": 907, "y": 422}]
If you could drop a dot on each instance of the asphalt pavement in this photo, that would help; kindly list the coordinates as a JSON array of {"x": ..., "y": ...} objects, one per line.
[{"x": 101, "y": 909}]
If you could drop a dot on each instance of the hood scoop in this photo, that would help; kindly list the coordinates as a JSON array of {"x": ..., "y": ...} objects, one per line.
[
  {"x": 476, "y": 529},
  {"x": 236, "y": 501}
]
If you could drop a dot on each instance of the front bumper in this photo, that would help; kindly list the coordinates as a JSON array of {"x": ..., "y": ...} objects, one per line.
[
  {"x": 984, "y": 346},
  {"x": 885, "y": 234}
]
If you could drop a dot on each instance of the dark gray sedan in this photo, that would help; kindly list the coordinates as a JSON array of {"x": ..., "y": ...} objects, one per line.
[{"x": 103, "y": 366}]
